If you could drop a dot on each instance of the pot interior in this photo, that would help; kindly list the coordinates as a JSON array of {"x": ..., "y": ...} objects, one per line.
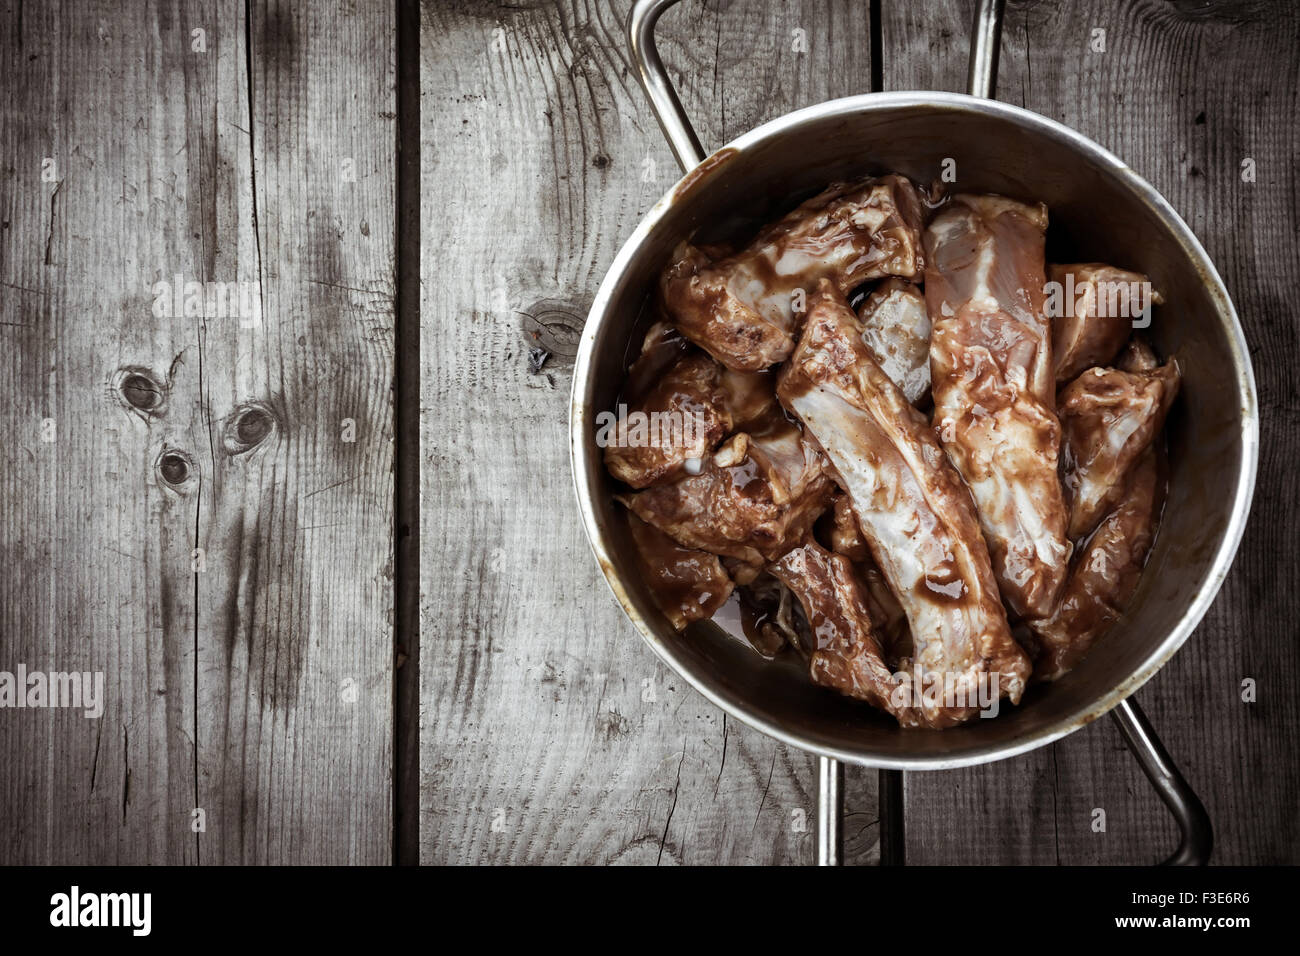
[{"x": 1099, "y": 211}]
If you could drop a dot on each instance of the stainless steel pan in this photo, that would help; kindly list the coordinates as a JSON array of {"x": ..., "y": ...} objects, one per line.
[{"x": 1103, "y": 211}]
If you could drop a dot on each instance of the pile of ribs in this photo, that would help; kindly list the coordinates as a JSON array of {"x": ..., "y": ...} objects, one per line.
[{"x": 889, "y": 459}]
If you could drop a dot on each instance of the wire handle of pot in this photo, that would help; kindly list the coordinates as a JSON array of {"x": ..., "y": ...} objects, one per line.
[
  {"x": 981, "y": 77},
  {"x": 658, "y": 87},
  {"x": 985, "y": 39},
  {"x": 830, "y": 811},
  {"x": 1193, "y": 822}
]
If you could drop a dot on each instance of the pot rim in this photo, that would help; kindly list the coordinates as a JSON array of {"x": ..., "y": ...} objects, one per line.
[{"x": 734, "y": 704}]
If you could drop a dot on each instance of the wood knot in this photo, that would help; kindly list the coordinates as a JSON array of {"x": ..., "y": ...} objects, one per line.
[
  {"x": 551, "y": 329},
  {"x": 139, "y": 390},
  {"x": 247, "y": 427},
  {"x": 176, "y": 468}
]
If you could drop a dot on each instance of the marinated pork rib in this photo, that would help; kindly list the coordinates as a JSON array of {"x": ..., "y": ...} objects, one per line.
[
  {"x": 992, "y": 382},
  {"x": 741, "y": 309},
  {"x": 847, "y": 654},
  {"x": 679, "y": 418},
  {"x": 1092, "y": 310},
  {"x": 687, "y": 585},
  {"x": 886, "y": 613},
  {"x": 896, "y": 328},
  {"x": 1105, "y": 573},
  {"x": 754, "y": 500},
  {"x": 1109, "y": 417},
  {"x": 911, "y": 506}
]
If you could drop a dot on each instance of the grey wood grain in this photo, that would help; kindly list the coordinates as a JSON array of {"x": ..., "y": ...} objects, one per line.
[
  {"x": 549, "y": 732},
  {"x": 1184, "y": 93},
  {"x": 260, "y": 688},
  {"x": 253, "y": 681}
]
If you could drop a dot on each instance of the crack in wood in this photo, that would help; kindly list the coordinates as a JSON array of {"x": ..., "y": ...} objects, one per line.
[{"x": 672, "y": 809}]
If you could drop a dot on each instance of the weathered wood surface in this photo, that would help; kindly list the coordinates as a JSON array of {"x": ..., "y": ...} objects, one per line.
[
  {"x": 1184, "y": 92},
  {"x": 255, "y": 680},
  {"x": 550, "y": 733},
  {"x": 261, "y": 687}
]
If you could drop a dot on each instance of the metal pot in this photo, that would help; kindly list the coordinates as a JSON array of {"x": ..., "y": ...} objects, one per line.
[{"x": 1103, "y": 211}]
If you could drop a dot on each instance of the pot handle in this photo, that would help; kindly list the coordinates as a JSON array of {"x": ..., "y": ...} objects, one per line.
[
  {"x": 981, "y": 77},
  {"x": 830, "y": 812},
  {"x": 985, "y": 39},
  {"x": 654, "y": 80},
  {"x": 1197, "y": 831},
  {"x": 981, "y": 80}
]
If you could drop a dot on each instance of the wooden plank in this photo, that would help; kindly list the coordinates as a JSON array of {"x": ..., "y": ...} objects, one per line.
[
  {"x": 252, "y": 680},
  {"x": 550, "y": 733},
  {"x": 1184, "y": 93}
]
